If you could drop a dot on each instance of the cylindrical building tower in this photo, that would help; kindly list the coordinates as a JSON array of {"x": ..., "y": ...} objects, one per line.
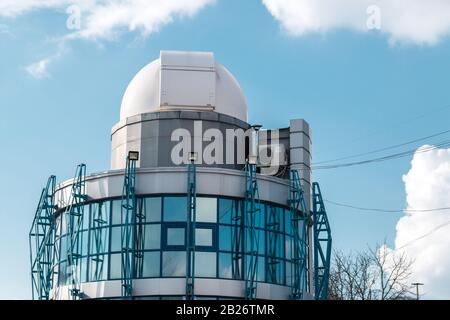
[{"x": 187, "y": 211}]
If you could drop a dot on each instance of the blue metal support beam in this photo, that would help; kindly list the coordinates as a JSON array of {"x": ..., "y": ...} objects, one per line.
[
  {"x": 139, "y": 238},
  {"x": 274, "y": 242},
  {"x": 300, "y": 217},
  {"x": 41, "y": 238},
  {"x": 322, "y": 245},
  {"x": 251, "y": 243},
  {"x": 100, "y": 241},
  {"x": 237, "y": 236},
  {"x": 191, "y": 227},
  {"x": 128, "y": 219},
  {"x": 74, "y": 223}
]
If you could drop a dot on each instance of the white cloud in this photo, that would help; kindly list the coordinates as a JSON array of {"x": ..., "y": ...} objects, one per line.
[
  {"x": 102, "y": 19},
  {"x": 408, "y": 21},
  {"x": 38, "y": 69},
  {"x": 424, "y": 236}
]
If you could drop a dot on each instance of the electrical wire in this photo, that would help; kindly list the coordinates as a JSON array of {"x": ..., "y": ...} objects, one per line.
[
  {"x": 385, "y": 149},
  {"x": 385, "y": 210},
  {"x": 443, "y": 144},
  {"x": 429, "y": 233}
]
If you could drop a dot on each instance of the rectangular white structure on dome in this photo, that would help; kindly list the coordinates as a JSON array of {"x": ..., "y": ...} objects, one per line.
[{"x": 187, "y": 79}]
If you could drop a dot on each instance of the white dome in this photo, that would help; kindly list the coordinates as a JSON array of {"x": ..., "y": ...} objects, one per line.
[{"x": 184, "y": 81}]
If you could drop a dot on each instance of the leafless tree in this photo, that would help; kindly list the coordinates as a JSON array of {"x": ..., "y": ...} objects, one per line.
[{"x": 376, "y": 274}]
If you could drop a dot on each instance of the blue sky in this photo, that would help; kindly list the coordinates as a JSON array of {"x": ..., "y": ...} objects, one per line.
[{"x": 360, "y": 91}]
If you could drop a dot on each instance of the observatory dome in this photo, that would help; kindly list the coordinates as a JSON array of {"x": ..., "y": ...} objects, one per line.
[{"x": 184, "y": 81}]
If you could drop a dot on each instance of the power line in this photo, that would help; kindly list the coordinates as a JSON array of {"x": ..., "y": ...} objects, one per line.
[
  {"x": 385, "y": 210},
  {"x": 424, "y": 235},
  {"x": 437, "y": 228},
  {"x": 385, "y": 149},
  {"x": 401, "y": 123},
  {"x": 443, "y": 144}
]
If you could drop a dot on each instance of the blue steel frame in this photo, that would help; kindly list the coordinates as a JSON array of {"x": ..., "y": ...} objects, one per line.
[
  {"x": 128, "y": 218},
  {"x": 251, "y": 212},
  {"x": 99, "y": 221},
  {"x": 139, "y": 240},
  {"x": 322, "y": 245},
  {"x": 41, "y": 240},
  {"x": 300, "y": 223},
  {"x": 191, "y": 229},
  {"x": 74, "y": 221}
]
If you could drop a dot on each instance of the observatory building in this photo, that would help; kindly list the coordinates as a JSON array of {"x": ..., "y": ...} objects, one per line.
[{"x": 199, "y": 203}]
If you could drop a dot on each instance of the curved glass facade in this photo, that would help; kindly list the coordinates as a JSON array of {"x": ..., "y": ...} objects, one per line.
[{"x": 220, "y": 252}]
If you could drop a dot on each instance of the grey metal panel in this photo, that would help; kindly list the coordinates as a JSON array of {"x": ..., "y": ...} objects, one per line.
[{"x": 153, "y": 137}]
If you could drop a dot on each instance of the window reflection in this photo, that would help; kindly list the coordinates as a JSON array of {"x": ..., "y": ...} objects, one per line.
[
  {"x": 117, "y": 212},
  {"x": 98, "y": 267},
  {"x": 116, "y": 239},
  {"x": 115, "y": 271},
  {"x": 203, "y": 237},
  {"x": 152, "y": 209},
  {"x": 206, "y": 210},
  {"x": 205, "y": 264},
  {"x": 175, "y": 209},
  {"x": 152, "y": 236},
  {"x": 174, "y": 264},
  {"x": 176, "y": 236},
  {"x": 151, "y": 264},
  {"x": 100, "y": 247},
  {"x": 225, "y": 267},
  {"x": 225, "y": 240}
]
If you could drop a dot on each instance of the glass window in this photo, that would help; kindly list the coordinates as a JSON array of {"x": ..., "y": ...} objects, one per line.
[
  {"x": 83, "y": 269},
  {"x": 225, "y": 268},
  {"x": 279, "y": 253},
  {"x": 115, "y": 271},
  {"x": 117, "y": 212},
  {"x": 62, "y": 273},
  {"x": 63, "y": 223},
  {"x": 84, "y": 242},
  {"x": 98, "y": 267},
  {"x": 205, "y": 264},
  {"x": 288, "y": 222},
  {"x": 206, "y": 210},
  {"x": 152, "y": 236},
  {"x": 225, "y": 240},
  {"x": 203, "y": 237},
  {"x": 153, "y": 206},
  {"x": 274, "y": 219},
  {"x": 259, "y": 216},
  {"x": 260, "y": 266},
  {"x": 116, "y": 239},
  {"x": 226, "y": 207},
  {"x": 99, "y": 240},
  {"x": 63, "y": 249},
  {"x": 176, "y": 236},
  {"x": 174, "y": 264},
  {"x": 289, "y": 274},
  {"x": 262, "y": 241},
  {"x": 100, "y": 214},
  {"x": 261, "y": 269},
  {"x": 151, "y": 264},
  {"x": 288, "y": 247},
  {"x": 275, "y": 270},
  {"x": 86, "y": 217},
  {"x": 175, "y": 209},
  {"x": 260, "y": 238}
]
